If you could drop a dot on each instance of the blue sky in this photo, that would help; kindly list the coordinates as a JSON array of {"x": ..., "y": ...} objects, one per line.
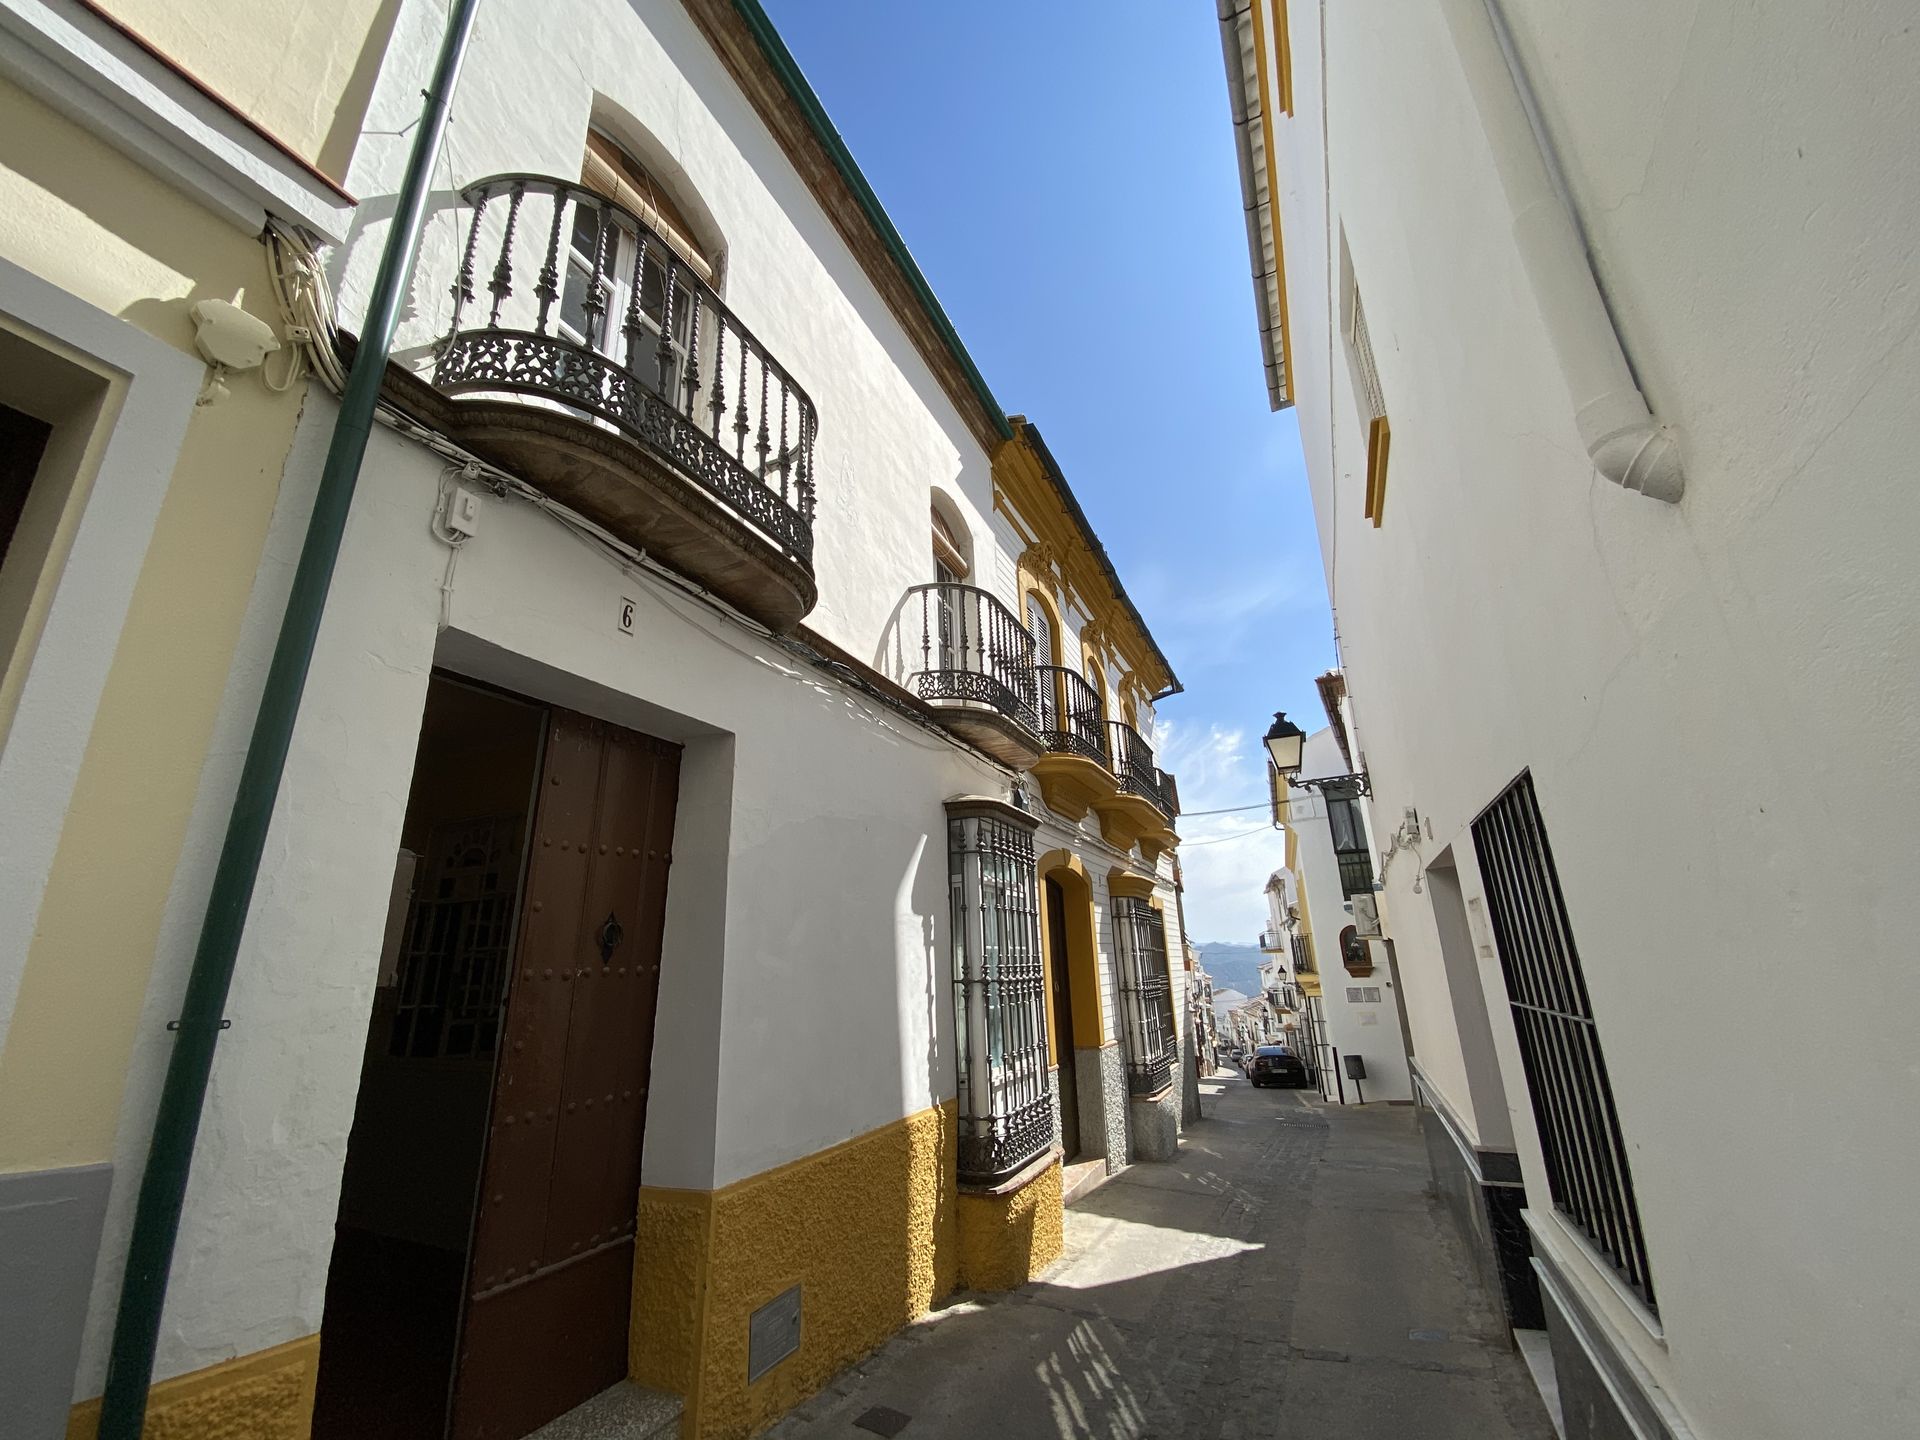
[{"x": 1064, "y": 174}]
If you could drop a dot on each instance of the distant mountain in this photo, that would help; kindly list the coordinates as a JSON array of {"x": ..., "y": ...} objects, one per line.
[{"x": 1237, "y": 966}]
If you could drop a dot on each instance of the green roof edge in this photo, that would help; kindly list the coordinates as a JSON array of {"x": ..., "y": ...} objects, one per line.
[{"x": 788, "y": 69}]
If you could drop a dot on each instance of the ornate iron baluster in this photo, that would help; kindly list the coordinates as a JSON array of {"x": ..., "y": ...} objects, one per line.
[
  {"x": 595, "y": 305},
  {"x": 809, "y": 424},
  {"x": 463, "y": 282},
  {"x": 665, "y": 352},
  {"x": 762, "y": 444},
  {"x": 718, "y": 401},
  {"x": 548, "y": 288},
  {"x": 786, "y": 458},
  {"x": 740, "y": 415},
  {"x": 691, "y": 380},
  {"x": 634, "y": 327},
  {"x": 502, "y": 283}
]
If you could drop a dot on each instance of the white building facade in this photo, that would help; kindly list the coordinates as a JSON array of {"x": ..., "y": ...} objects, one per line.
[
  {"x": 721, "y": 871},
  {"x": 1601, "y": 329}
]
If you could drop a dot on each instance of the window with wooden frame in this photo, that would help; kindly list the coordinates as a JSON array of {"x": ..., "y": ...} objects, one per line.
[
  {"x": 950, "y": 563},
  {"x": 1373, "y": 409},
  {"x": 610, "y": 171}
]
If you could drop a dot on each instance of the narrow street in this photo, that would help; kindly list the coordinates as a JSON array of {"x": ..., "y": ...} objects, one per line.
[{"x": 1287, "y": 1277}]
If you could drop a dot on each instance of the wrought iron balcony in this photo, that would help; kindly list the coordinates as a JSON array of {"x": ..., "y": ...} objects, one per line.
[
  {"x": 591, "y": 315},
  {"x": 1133, "y": 767},
  {"x": 1070, "y": 715},
  {"x": 1303, "y": 955},
  {"x": 975, "y": 667},
  {"x": 1273, "y": 942}
]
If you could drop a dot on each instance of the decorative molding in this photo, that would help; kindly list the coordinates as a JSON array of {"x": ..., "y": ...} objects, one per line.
[{"x": 108, "y": 81}]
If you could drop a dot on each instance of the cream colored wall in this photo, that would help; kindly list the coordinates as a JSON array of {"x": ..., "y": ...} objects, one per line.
[
  {"x": 83, "y": 217},
  {"x": 300, "y": 69}
]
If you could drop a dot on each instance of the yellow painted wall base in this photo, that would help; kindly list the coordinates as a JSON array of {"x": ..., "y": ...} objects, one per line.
[
  {"x": 1006, "y": 1240},
  {"x": 264, "y": 1396},
  {"x": 866, "y": 1229}
]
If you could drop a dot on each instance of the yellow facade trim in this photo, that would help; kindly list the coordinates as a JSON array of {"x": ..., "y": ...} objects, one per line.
[
  {"x": 85, "y": 218},
  {"x": 1007, "y": 1240},
  {"x": 1082, "y": 957},
  {"x": 1023, "y": 493},
  {"x": 1379, "y": 438},
  {"x": 1120, "y": 882},
  {"x": 264, "y": 1396},
  {"x": 1283, "y": 95},
  {"x": 866, "y": 1228}
]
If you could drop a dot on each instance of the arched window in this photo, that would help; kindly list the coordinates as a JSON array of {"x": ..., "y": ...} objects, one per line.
[
  {"x": 950, "y": 559},
  {"x": 609, "y": 171}
]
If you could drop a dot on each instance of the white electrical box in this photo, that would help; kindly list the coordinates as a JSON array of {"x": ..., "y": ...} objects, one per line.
[
  {"x": 1366, "y": 916},
  {"x": 463, "y": 511}
]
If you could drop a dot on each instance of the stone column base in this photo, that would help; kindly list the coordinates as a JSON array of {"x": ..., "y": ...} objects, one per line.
[
  {"x": 1009, "y": 1234},
  {"x": 1156, "y": 1124}
]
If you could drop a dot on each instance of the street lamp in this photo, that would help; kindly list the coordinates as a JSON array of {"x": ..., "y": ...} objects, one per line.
[{"x": 1285, "y": 740}]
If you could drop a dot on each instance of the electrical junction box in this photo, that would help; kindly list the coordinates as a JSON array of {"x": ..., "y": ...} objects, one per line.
[
  {"x": 1366, "y": 917},
  {"x": 463, "y": 511}
]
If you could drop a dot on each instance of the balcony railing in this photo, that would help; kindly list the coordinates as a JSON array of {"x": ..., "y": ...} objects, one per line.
[
  {"x": 590, "y": 308},
  {"x": 1070, "y": 717},
  {"x": 1273, "y": 942},
  {"x": 1133, "y": 767},
  {"x": 1303, "y": 955},
  {"x": 975, "y": 650},
  {"x": 1356, "y": 872}
]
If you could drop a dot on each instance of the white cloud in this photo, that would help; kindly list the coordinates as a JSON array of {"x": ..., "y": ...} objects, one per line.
[{"x": 1225, "y": 858}]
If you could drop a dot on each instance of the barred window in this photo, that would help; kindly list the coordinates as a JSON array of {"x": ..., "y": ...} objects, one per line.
[
  {"x": 1580, "y": 1136},
  {"x": 1146, "y": 994},
  {"x": 1006, "y": 1114}
]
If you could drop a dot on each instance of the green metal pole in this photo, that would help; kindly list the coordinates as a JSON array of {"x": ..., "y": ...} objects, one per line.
[{"x": 163, "y": 1186}]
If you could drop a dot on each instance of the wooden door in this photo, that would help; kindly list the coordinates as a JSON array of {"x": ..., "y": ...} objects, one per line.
[
  {"x": 551, "y": 1262},
  {"x": 1062, "y": 986}
]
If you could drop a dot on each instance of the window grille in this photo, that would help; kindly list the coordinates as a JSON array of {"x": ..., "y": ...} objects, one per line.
[
  {"x": 1373, "y": 398},
  {"x": 1006, "y": 1113},
  {"x": 452, "y": 968},
  {"x": 1146, "y": 998},
  {"x": 1303, "y": 963},
  {"x": 1586, "y": 1155}
]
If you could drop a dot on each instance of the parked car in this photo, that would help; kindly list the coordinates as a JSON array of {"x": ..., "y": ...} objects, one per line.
[{"x": 1277, "y": 1065}]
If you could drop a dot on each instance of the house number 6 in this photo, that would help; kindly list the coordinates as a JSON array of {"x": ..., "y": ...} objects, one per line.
[{"x": 626, "y": 616}]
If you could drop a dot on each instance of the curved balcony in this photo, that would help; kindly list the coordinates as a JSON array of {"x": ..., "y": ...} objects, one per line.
[
  {"x": 1144, "y": 804},
  {"x": 605, "y": 371},
  {"x": 1074, "y": 772},
  {"x": 976, "y": 670}
]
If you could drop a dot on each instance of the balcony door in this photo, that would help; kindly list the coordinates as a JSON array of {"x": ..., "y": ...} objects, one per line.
[{"x": 596, "y": 300}]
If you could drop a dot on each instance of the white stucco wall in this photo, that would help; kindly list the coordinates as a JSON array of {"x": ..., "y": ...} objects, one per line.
[
  {"x": 1369, "y": 1029},
  {"x": 532, "y": 80},
  {"x": 1719, "y": 700}
]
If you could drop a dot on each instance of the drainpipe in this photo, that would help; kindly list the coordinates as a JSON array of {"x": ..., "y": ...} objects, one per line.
[
  {"x": 1625, "y": 441},
  {"x": 163, "y": 1185}
]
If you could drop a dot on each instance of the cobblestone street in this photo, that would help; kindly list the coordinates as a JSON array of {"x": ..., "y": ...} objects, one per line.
[{"x": 1288, "y": 1276}]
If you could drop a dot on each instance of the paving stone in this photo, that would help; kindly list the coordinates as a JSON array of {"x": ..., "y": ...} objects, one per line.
[{"x": 1286, "y": 1273}]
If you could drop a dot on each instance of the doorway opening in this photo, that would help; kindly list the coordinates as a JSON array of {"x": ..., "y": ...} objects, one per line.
[
  {"x": 1061, "y": 989},
  {"x": 426, "y": 1077},
  {"x": 483, "y": 1254}
]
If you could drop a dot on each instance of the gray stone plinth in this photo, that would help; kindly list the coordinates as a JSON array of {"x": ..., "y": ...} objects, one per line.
[
  {"x": 49, "y": 1240},
  {"x": 1103, "y": 1105},
  {"x": 1156, "y": 1125}
]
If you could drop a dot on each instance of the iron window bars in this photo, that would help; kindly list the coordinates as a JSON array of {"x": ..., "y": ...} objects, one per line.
[
  {"x": 1586, "y": 1154},
  {"x": 1000, "y": 1031},
  {"x": 974, "y": 649},
  {"x": 1146, "y": 994},
  {"x": 639, "y": 340},
  {"x": 1303, "y": 954}
]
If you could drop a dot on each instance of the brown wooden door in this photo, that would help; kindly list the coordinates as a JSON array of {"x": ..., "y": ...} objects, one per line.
[{"x": 551, "y": 1267}]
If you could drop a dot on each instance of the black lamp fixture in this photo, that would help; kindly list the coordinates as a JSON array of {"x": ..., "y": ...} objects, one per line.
[{"x": 1285, "y": 742}]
